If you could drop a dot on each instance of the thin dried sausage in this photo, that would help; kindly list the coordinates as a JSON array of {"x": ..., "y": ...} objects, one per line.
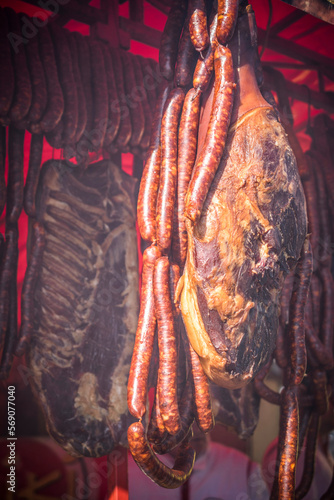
[
  {"x": 149, "y": 185},
  {"x": 6, "y": 275},
  {"x": 198, "y": 25},
  {"x": 227, "y": 19},
  {"x": 125, "y": 129},
  {"x": 167, "y": 375},
  {"x": 151, "y": 465},
  {"x": 114, "y": 115},
  {"x": 82, "y": 112},
  {"x": 38, "y": 83},
  {"x": 296, "y": 333},
  {"x": 66, "y": 78},
  {"x": 35, "y": 160},
  {"x": 2, "y": 168},
  {"x": 29, "y": 283},
  {"x": 142, "y": 352},
  {"x": 187, "y": 148},
  {"x": 186, "y": 58},
  {"x": 168, "y": 174},
  {"x": 55, "y": 103},
  {"x": 211, "y": 153},
  {"x": 23, "y": 94},
  {"x": 170, "y": 38},
  {"x": 204, "y": 67},
  {"x": 15, "y": 174},
  {"x": 7, "y": 81},
  {"x": 100, "y": 96},
  {"x": 133, "y": 98}
]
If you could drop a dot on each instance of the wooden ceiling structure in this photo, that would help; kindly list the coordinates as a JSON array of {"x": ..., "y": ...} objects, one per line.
[{"x": 297, "y": 44}]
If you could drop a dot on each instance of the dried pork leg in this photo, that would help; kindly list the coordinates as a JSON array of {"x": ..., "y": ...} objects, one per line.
[
  {"x": 249, "y": 236},
  {"x": 86, "y": 305}
]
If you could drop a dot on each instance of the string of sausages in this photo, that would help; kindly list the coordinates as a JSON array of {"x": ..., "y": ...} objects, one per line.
[
  {"x": 81, "y": 96},
  {"x": 304, "y": 347},
  {"x": 79, "y": 93},
  {"x": 175, "y": 182}
]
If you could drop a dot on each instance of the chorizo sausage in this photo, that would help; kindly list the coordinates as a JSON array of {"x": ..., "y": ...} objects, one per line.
[
  {"x": 211, "y": 153},
  {"x": 168, "y": 174},
  {"x": 296, "y": 333},
  {"x": 198, "y": 25},
  {"x": 140, "y": 363},
  {"x": 227, "y": 19},
  {"x": 204, "y": 67},
  {"x": 170, "y": 38},
  {"x": 186, "y": 58},
  {"x": 309, "y": 186},
  {"x": 151, "y": 465},
  {"x": 169, "y": 442},
  {"x": 319, "y": 381},
  {"x": 187, "y": 148},
  {"x": 204, "y": 416},
  {"x": 167, "y": 375},
  {"x": 288, "y": 444},
  {"x": 156, "y": 432},
  {"x": 149, "y": 185},
  {"x": 323, "y": 356}
]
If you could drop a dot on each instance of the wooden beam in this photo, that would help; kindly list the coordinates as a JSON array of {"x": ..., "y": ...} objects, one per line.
[
  {"x": 140, "y": 32},
  {"x": 286, "y": 22},
  {"x": 74, "y": 10},
  {"x": 65, "y": 18},
  {"x": 301, "y": 126},
  {"x": 137, "y": 10},
  {"x": 308, "y": 32},
  {"x": 319, "y": 100},
  {"x": 109, "y": 29},
  {"x": 295, "y": 51},
  {"x": 286, "y": 65},
  {"x": 163, "y": 6}
]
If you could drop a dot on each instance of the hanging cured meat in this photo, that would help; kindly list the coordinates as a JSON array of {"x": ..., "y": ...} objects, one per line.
[
  {"x": 250, "y": 234},
  {"x": 80, "y": 304},
  {"x": 226, "y": 212}
]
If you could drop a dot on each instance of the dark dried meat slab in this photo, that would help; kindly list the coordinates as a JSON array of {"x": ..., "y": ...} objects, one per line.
[{"x": 86, "y": 305}]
